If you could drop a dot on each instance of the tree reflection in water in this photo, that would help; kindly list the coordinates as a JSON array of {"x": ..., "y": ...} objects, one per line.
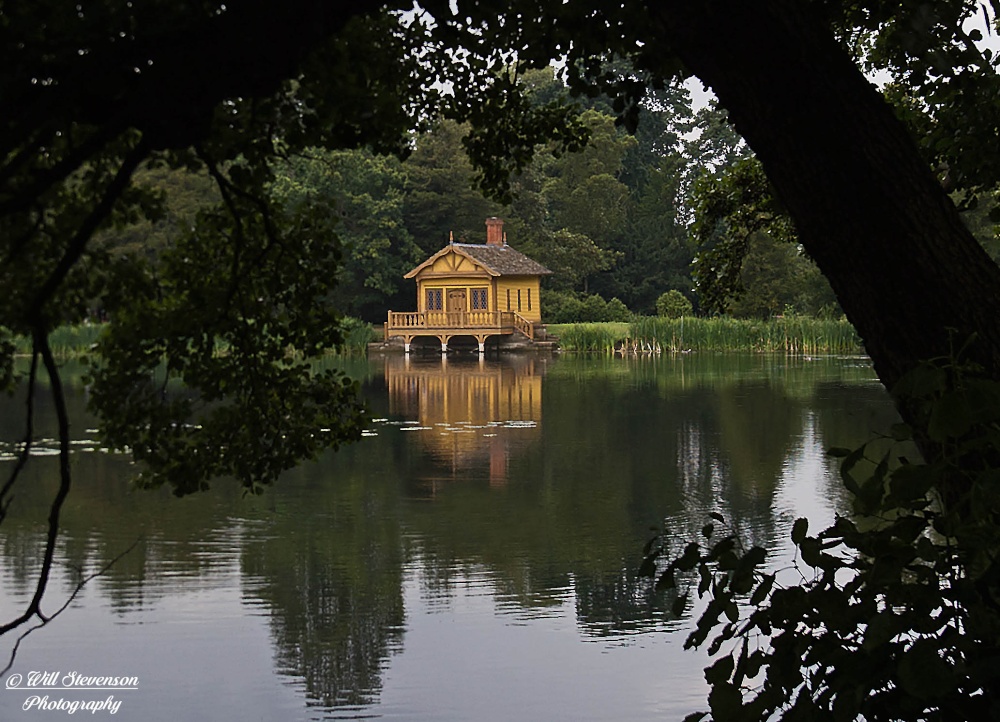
[{"x": 535, "y": 480}]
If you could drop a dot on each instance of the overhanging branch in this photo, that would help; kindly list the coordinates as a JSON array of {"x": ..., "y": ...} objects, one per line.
[
  {"x": 78, "y": 244},
  {"x": 44, "y": 350},
  {"x": 22, "y": 458}
]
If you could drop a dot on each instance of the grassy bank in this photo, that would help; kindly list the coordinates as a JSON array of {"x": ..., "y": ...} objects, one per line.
[
  {"x": 791, "y": 335},
  {"x": 66, "y": 341},
  {"x": 69, "y": 342}
]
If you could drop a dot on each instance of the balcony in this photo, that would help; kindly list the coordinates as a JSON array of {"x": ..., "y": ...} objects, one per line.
[{"x": 445, "y": 324}]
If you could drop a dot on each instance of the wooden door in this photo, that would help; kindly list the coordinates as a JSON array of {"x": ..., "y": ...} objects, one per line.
[{"x": 456, "y": 300}]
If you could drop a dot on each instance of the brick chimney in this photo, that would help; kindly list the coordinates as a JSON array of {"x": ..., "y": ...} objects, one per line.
[{"x": 494, "y": 232}]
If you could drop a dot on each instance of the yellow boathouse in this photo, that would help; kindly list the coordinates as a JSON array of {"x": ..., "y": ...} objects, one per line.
[{"x": 473, "y": 289}]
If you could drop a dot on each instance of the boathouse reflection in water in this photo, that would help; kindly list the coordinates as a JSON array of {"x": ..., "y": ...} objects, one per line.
[{"x": 467, "y": 409}]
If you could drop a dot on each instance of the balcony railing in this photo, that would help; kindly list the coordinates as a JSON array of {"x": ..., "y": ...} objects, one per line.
[
  {"x": 431, "y": 321},
  {"x": 524, "y": 326}
]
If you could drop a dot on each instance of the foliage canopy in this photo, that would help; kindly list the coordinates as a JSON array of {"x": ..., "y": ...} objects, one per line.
[{"x": 229, "y": 89}]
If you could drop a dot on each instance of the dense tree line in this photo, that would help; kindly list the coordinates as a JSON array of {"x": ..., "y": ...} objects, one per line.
[
  {"x": 679, "y": 205},
  {"x": 610, "y": 220}
]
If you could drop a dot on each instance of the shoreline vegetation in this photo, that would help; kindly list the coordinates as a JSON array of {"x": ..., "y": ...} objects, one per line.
[
  {"x": 796, "y": 335},
  {"x": 73, "y": 342}
]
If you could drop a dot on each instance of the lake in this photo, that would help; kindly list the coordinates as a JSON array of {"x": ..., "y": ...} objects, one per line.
[{"x": 472, "y": 558}]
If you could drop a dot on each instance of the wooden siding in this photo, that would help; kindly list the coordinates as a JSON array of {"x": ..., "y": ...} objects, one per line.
[{"x": 529, "y": 288}]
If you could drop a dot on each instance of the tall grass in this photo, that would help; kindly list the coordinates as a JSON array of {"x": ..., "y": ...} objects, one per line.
[
  {"x": 590, "y": 337},
  {"x": 357, "y": 335},
  {"x": 790, "y": 335},
  {"x": 69, "y": 342},
  {"x": 66, "y": 341}
]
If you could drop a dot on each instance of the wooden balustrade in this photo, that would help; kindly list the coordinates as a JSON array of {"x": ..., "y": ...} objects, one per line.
[
  {"x": 524, "y": 326},
  {"x": 409, "y": 322},
  {"x": 406, "y": 320}
]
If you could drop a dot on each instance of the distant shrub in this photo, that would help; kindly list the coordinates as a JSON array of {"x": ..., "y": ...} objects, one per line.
[
  {"x": 673, "y": 304},
  {"x": 569, "y": 307},
  {"x": 617, "y": 311}
]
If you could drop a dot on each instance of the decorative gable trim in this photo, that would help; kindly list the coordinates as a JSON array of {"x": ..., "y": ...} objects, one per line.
[{"x": 458, "y": 255}]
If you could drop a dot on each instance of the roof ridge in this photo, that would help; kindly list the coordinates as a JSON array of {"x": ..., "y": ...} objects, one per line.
[{"x": 495, "y": 259}]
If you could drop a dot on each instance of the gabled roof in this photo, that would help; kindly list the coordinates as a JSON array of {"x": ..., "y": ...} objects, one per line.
[{"x": 495, "y": 260}]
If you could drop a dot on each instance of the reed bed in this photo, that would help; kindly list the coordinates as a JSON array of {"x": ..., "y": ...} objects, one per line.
[
  {"x": 797, "y": 335},
  {"x": 357, "y": 335},
  {"x": 590, "y": 337}
]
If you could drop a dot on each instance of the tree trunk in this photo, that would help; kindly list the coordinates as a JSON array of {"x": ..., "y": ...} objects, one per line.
[{"x": 909, "y": 276}]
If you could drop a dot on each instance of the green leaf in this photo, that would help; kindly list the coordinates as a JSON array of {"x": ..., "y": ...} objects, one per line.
[
  {"x": 880, "y": 630},
  {"x": 851, "y": 460},
  {"x": 923, "y": 672},
  {"x": 762, "y": 590},
  {"x": 743, "y": 574},
  {"x": 950, "y": 417},
  {"x": 705, "y": 582},
  {"x": 740, "y": 672},
  {"x": 923, "y": 381},
  {"x": 809, "y": 547},
  {"x": 901, "y": 432},
  {"x": 720, "y": 671},
  {"x": 667, "y": 580},
  {"x": 799, "y": 530},
  {"x": 690, "y": 558},
  {"x": 723, "y": 548},
  {"x": 725, "y": 700},
  {"x": 755, "y": 662}
]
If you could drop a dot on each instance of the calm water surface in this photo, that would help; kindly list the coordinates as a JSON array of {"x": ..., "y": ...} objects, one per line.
[{"x": 471, "y": 559}]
